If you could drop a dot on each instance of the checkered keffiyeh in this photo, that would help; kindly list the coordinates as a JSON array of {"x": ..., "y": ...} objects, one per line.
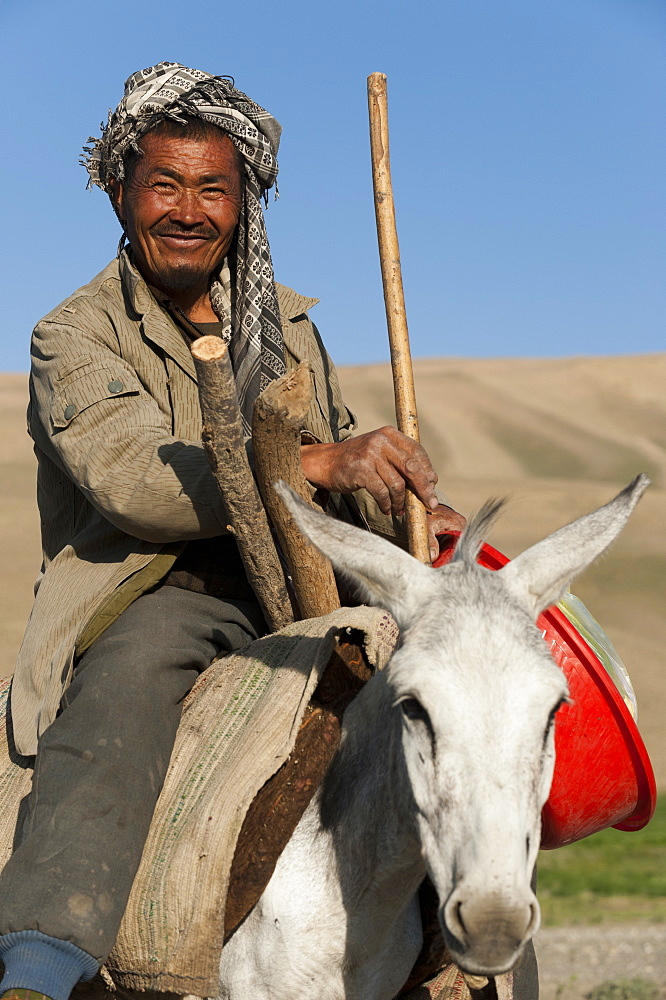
[{"x": 249, "y": 308}]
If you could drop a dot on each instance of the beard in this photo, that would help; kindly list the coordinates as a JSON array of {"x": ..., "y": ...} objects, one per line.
[
  {"x": 173, "y": 271},
  {"x": 182, "y": 277}
]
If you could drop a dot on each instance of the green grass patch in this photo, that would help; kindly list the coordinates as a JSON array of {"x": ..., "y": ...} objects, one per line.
[
  {"x": 611, "y": 876},
  {"x": 624, "y": 989}
]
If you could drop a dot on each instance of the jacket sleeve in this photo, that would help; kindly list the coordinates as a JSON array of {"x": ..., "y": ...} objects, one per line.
[{"x": 94, "y": 418}]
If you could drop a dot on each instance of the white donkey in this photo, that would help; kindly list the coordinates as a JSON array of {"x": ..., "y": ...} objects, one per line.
[{"x": 445, "y": 762}]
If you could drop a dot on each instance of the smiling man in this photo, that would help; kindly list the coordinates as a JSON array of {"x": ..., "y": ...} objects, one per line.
[
  {"x": 179, "y": 206},
  {"x": 141, "y": 585}
]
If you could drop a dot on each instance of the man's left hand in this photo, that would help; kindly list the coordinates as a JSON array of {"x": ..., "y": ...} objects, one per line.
[
  {"x": 385, "y": 463},
  {"x": 441, "y": 521}
]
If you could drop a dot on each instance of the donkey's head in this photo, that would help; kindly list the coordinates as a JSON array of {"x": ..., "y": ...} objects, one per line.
[{"x": 475, "y": 694}]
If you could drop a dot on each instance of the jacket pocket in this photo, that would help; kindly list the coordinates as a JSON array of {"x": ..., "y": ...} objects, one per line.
[
  {"x": 73, "y": 366},
  {"x": 81, "y": 389}
]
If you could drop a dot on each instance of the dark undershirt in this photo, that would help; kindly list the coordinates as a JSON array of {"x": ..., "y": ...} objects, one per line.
[{"x": 210, "y": 329}]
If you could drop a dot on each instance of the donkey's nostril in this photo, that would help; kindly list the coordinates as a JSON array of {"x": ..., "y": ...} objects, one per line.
[
  {"x": 535, "y": 919},
  {"x": 453, "y": 918}
]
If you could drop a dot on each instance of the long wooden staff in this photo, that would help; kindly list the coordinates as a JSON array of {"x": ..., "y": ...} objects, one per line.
[{"x": 394, "y": 300}]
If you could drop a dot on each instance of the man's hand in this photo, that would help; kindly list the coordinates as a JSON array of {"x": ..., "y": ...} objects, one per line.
[
  {"x": 384, "y": 462},
  {"x": 440, "y": 522}
]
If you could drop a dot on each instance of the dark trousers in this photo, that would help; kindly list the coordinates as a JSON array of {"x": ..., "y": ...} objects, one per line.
[{"x": 100, "y": 766}]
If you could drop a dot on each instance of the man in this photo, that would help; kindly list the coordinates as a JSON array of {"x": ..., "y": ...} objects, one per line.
[{"x": 141, "y": 585}]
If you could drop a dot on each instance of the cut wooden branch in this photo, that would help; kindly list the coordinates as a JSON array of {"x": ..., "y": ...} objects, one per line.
[
  {"x": 394, "y": 300},
  {"x": 279, "y": 415},
  {"x": 224, "y": 444}
]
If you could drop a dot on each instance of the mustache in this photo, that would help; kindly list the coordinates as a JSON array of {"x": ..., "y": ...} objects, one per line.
[{"x": 201, "y": 232}]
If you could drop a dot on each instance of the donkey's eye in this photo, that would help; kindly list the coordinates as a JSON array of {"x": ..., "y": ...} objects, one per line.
[
  {"x": 551, "y": 717},
  {"x": 414, "y": 710},
  {"x": 555, "y": 710}
]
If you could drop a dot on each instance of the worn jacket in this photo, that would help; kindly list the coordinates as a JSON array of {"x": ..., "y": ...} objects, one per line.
[{"x": 122, "y": 477}]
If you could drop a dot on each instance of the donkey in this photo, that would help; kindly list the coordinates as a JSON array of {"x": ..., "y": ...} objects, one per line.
[{"x": 445, "y": 763}]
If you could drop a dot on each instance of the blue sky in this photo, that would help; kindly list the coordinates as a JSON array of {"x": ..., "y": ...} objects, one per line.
[{"x": 527, "y": 150}]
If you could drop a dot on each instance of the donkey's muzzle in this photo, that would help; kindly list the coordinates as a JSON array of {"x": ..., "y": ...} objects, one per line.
[{"x": 487, "y": 933}]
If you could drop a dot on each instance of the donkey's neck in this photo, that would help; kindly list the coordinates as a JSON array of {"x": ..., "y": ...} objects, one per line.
[
  {"x": 368, "y": 808},
  {"x": 342, "y": 900}
]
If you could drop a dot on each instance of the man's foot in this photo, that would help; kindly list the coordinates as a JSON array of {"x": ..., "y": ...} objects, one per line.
[{"x": 20, "y": 994}]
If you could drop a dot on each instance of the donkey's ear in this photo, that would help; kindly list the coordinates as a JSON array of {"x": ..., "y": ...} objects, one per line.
[
  {"x": 384, "y": 575},
  {"x": 539, "y": 576}
]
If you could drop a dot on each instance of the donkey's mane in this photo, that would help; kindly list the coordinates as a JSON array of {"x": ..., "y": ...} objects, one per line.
[{"x": 477, "y": 529}]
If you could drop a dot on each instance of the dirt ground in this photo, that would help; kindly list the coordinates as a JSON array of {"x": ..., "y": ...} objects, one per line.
[{"x": 572, "y": 960}]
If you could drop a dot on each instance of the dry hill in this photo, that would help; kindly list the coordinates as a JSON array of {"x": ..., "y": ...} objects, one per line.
[{"x": 557, "y": 436}]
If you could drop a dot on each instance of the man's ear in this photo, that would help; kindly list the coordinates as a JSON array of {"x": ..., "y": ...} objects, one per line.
[{"x": 117, "y": 197}]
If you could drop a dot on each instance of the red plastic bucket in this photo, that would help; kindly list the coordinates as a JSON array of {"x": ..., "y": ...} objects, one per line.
[{"x": 603, "y": 775}]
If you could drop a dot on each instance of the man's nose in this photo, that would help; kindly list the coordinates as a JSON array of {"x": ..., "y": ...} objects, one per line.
[{"x": 187, "y": 209}]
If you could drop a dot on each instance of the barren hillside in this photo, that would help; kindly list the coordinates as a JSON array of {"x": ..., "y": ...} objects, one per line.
[{"x": 556, "y": 436}]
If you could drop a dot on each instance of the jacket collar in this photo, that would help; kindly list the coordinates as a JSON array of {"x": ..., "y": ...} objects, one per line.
[
  {"x": 162, "y": 330},
  {"x": 292, "y": 305},
  {"x": 157, "y": 325}
]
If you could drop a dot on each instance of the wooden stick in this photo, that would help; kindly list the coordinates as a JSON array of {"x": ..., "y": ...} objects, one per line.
[
  {"x": 394, "y": 300},
  {"x": 223, "y": 442},
  {"x": 279, "y": 414}
]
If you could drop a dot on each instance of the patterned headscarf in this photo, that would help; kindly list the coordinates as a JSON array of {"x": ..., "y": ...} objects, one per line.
[{"x": 248, "y": 309}]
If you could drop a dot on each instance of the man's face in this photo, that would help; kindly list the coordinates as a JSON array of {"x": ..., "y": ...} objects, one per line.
[{"x": 180, "y": 209}]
